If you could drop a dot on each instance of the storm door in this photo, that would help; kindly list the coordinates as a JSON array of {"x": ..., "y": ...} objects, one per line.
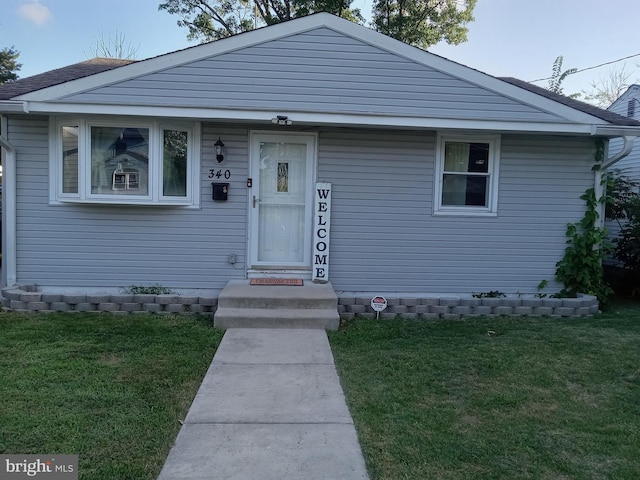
[{"x": 282, "y": 171}]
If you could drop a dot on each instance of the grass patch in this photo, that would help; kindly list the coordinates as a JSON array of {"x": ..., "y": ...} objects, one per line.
[
  {"x": 537, "y": 398},
  {"x": 112, "y": 389}
]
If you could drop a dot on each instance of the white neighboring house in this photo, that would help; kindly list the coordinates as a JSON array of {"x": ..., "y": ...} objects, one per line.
[{"x": 627, "y": 105}]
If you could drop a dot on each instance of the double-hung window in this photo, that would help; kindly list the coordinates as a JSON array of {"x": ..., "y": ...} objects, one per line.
[
  {"x": 467, "y": 175},
  {"x": 125, "y": 162}
]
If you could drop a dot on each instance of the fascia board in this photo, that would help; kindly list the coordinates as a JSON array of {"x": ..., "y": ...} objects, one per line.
[
  {"x": 312, "y": 118},
  {"x": 300, "y": 25}
]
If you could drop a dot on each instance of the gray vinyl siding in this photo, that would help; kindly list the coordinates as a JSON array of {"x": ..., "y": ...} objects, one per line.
[
  {"x": 74, "y": 245},
  {"x": 317, "y": 71},
  {"x": 384, "y": 236}
]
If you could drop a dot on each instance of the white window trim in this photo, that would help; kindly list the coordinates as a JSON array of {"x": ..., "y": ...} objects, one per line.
[
  {"x": 491, "y": 210},
  {"x": 155, "y": 195}
]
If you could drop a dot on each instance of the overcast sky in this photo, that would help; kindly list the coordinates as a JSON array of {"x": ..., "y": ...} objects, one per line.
[{"x": 518, "y": 38}]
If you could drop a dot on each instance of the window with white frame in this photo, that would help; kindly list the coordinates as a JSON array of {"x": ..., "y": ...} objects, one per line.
[
  {"x": 467, "y": 175},
  {"x": 125, "y": 162}
]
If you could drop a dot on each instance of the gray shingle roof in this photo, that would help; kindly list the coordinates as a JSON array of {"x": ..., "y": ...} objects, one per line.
[
  {"x": 606, "y": 115},
  {"x": 60, "y": 75}
]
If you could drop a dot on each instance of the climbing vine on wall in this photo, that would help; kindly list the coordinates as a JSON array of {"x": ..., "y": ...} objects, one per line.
[{"x": 580, "y": 270}]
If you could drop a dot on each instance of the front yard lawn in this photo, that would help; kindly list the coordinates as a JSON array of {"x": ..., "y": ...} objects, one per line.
[
  {"x": 112, "y": 389},
  {"x": 508, "y": 398},
  {"x": 511, "y": 398}
]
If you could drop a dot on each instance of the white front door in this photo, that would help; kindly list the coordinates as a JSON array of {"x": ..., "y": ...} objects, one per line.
[{"x": 282, "y": 169}]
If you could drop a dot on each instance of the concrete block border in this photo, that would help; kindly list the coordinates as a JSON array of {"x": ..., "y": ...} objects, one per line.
[
  {"x": 448, "y": 306},
  {"x": 26, "y": 298},
  {"x": 350, "y": 305}
]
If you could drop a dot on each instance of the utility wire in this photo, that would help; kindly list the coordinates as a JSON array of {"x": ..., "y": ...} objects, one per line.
[{"x": 590, "y": 68}]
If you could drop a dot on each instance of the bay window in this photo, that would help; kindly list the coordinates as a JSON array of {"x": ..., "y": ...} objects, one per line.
[
  {"x": 467, "y": 175},
  {"x": 127, "y": 162}
]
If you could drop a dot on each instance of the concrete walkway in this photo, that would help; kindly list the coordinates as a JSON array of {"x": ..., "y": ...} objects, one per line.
[{"x": 269, "y": 408}]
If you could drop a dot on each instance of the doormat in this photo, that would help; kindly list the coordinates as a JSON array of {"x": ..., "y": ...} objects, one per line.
[{"x": 290, "y": 282}]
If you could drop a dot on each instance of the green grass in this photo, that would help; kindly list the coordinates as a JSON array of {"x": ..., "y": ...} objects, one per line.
[
  {"x": 537, "y": 399},
  {"x": 112, "y": 389}
]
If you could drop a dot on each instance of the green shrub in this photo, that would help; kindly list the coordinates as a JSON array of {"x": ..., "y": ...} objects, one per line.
[{"x": 147, "y": 290}]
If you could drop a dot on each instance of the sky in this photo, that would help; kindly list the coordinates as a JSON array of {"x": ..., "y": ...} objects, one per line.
[{"x": 516, "y": 38}]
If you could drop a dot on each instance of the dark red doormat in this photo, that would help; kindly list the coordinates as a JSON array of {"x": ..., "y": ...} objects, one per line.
[{"x": 290, "y": 282}]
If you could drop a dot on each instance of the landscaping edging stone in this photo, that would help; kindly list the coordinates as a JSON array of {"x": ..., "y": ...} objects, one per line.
[
  {"x": 447, "y": 306},
  {"x": 26, "y": 298}
]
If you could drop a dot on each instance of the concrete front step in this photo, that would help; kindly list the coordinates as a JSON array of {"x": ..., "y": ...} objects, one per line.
[
  {"x": 260, "y": 318},
  {"x": 241, "y": 305},
  {"x": 240, "y": 294}
]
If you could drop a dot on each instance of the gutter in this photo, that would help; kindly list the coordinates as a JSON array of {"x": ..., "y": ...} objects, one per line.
[
  {"x": 9, "y": 272},
  {"x": 13, "y": 106}
]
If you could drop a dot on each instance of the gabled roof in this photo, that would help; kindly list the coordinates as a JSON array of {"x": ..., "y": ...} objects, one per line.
[
  {"x": 94, "y": 87},
  {"x": 59, "y": 75}
]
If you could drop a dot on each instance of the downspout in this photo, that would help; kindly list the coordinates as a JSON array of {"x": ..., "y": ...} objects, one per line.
[{"x": 9, "y": 273}]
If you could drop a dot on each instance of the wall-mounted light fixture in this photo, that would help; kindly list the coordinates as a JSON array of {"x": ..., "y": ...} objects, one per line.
[
  {"x": 219, "y": 150},
  {"x": 281, "y": 120}
]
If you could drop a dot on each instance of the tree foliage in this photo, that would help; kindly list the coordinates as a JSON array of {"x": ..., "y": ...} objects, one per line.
[
  {"x": 208, "y": 20},
  {"x": 423, "y": 22},
  {"x": 627, "y": 245},
  {"x": 624, "y": 208},
  {"x": 9, "y": 65},
  {"x": 418, "y": 22},
  {"x": 621, "y": 190},
  {"x": 558, "y": 76}
]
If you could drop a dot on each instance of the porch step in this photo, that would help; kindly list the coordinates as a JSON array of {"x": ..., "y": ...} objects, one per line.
[{"x": 241, "y": 305}]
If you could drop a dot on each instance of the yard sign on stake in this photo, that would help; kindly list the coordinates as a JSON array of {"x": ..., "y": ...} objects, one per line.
[
  {"x": 321, "y": 224},
  {"x": 378, "y": 303}
]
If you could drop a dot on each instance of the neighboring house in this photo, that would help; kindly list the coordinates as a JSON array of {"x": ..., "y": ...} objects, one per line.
[
  {"x": 442, "y": 178},
  {"x": 627, "y": 105}
]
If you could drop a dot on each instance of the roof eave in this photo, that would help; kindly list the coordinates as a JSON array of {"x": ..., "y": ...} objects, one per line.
[{"x": 299, "y": 117}]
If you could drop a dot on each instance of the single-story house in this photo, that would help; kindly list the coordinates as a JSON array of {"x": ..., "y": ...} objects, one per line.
[{"x": 315, "y": 149}]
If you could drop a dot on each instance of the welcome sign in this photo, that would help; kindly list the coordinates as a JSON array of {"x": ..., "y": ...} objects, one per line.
[{"x": 321, "y": 228}]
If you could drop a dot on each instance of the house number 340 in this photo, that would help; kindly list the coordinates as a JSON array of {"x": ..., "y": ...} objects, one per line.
[{"x": 213, "y": 173}]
